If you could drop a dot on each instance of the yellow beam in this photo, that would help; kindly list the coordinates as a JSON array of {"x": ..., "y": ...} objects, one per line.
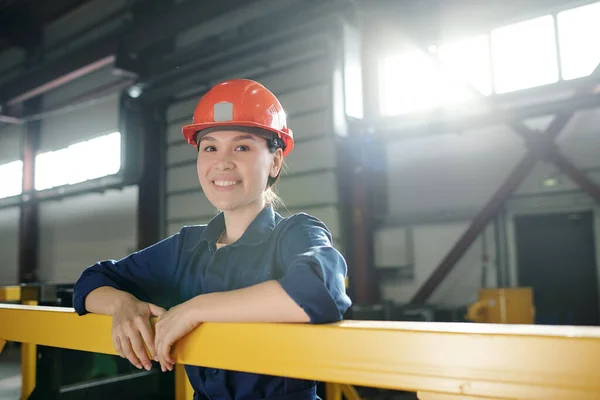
[
  {"x": 28, "y": 363},
  {"x": 445, "y": 396},
  {"x": 10, "y": 293},
  {"x": 333, "y": 391},
  {"x": 183, "y": 388},
  {"x": 468, "y": 359},
  {"x": 350, "y": 392}
]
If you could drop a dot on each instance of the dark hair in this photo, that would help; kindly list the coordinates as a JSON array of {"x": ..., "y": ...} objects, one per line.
[{"x": 271, "y": 197}]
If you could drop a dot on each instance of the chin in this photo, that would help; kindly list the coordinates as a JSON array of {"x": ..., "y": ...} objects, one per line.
[
  {"x": 231, "y": 204},
  {"x": 223, "y": 204}
]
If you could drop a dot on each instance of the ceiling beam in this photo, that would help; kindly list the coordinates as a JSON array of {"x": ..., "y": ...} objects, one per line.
[
  {"x": 20, "y": 28},
  {"x": 57, "y": 72},
  {"x": 184, "y": 16},
  {"x": 53, "y": 73}
]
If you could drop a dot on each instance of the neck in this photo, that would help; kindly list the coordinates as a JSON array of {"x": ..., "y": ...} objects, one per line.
[{"x": 237, "y": 221}]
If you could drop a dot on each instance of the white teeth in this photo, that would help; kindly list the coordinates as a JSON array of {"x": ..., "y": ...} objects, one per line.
[{"x": 225, "y": 183}]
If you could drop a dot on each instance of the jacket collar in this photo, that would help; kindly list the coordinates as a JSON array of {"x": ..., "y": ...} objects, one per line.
[{"x": 258, "y": 231}]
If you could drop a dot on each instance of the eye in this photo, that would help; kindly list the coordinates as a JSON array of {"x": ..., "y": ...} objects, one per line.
[
  {"x": 242, "y": 147},
  {"x": 209, "y": 148}
]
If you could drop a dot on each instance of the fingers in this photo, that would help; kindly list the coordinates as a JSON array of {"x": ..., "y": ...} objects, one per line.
[
  {"x": 129, "y": 344},
  {"x": 155, "y": 310},
  {"x": 137, "y": 343},
  {"x": 129, "y": 353},
  {"x": 133, "y": 336},
  {"x": 117, "y": 344},
  {"x": 148, "y": 336},
  {"x": 163, "y": 358},
  {"x": 163, "y": 349}
]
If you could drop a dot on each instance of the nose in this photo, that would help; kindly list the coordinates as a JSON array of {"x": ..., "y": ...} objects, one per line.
[{"x": 224, "y": 162}]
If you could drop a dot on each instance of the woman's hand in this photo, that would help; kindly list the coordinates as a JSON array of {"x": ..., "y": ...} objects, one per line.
[
  {"x": 131, "y": 330},
  {"x": 172, "y": 326}
]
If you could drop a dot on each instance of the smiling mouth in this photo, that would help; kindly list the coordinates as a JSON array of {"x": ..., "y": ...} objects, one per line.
[{"x": 226, "y": 183}]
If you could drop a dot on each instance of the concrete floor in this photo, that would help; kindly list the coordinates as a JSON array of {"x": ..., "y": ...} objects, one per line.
[{"x": 10, "y": 372}]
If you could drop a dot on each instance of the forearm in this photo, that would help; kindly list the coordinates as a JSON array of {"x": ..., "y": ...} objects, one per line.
[
  {"x": 265, "y": 302},
  {"x": 105, "y": 300}
]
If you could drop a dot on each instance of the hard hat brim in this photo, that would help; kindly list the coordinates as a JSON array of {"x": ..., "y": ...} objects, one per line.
[{"x": 190, "y": 132}]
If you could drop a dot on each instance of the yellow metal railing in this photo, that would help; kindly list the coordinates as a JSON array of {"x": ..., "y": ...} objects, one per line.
[
  {"x": 437, "y": 360},
  {"x": 28, "y": 350}
]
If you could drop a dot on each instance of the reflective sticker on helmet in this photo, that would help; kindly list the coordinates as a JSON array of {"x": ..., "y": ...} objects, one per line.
[{"x": 223, "y": 111}]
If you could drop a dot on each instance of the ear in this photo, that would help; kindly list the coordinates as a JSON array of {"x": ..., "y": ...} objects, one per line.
[{"x": 277, "y": 163}]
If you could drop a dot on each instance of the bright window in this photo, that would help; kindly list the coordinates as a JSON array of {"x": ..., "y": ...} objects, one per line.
[
  {"x": 11, "y": 179},
  {"x": 524, "y": 55},
  {"x": 80, "y": 162},
  {"x": 469, "y": 61},
  {"x": 578, "y": 33},
  {"x": 413, "y": 81},
  {"x": 408, "y": 83}
]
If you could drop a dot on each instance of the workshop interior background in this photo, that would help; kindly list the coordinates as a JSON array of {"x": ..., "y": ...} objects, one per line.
[{"x": 449, "y": 145}]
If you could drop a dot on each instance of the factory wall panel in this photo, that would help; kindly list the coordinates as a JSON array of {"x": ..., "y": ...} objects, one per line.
[
  {"x": 9, "y": 246},
  {"x": 429, "y": 244},
  {"x": 10, "y": 151},
  {"x": 451, "y": 177},
  {"x": 79, "y": 231},
  {"x": 450, "y": 172},
  {"x": 10, "y": 143},
  {"x": 80, "y": 121}
]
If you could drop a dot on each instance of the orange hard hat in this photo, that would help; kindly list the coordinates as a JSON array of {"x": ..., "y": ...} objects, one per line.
[{"x": 240, "y": 103}]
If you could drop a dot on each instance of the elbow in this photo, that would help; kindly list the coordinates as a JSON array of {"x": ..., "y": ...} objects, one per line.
[
  {"x": 331, "y": 313},
  {"x": 328, "y": 308},
  {"x": 323, "y": 301}
]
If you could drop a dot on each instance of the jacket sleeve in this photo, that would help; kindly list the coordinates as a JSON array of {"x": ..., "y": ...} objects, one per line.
[
  {"x": 147, "y": 274},
  {"x": 314, "y": 271}
]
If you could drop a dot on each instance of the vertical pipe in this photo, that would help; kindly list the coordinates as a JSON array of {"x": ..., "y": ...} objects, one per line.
[
  {"x": 29, "y": 213},
  {"x": 360, "y": 230},
  {"x": 151, "y": 188},
  {"x": 344, "y": 166}
]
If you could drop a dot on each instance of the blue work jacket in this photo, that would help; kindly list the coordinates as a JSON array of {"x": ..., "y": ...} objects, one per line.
[{"x": 296, "y": 251}]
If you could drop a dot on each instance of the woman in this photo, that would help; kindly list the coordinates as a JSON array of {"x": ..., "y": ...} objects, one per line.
[{"x": 248, "y": 264}]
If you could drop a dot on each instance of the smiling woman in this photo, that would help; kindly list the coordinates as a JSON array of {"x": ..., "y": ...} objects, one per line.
[
  {"x": 234, "y": 169},
  {"x": 248, "y": 264}
]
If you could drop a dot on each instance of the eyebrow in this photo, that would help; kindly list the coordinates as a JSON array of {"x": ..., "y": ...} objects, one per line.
[{"x": 236, "y": 139}]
